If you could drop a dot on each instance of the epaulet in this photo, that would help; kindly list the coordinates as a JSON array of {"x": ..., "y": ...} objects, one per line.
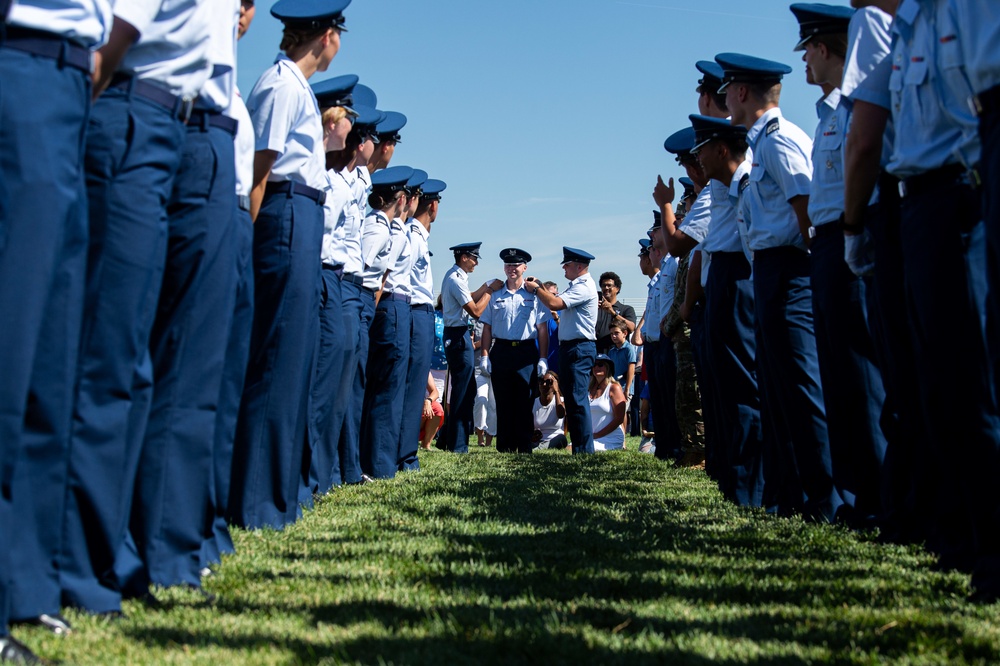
[
  {"x": 413, "y": 227},
  {"x": 744, "y": 182},
  {"x": 772, "y": 126}
]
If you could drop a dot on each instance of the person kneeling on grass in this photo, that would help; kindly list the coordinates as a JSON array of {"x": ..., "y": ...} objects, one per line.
[
  {"x": 607, "y": 406},
  {"x": 549, "y": 411}
]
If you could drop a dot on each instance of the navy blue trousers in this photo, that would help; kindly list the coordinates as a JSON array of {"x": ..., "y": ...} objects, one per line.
[
  {"x": 576, "y": 359},
  {"x": 783, "y": 301},
  {"x": 331, "y": 361},
  {"x": 219, "y": 542},
  {"x": 133, "y": 153},
  {"x": 956, "y": 389},
  {"x": 43, "y": 116},
  {"x": 169, "y": 518},
  {"x": 271, "y": 431},
  {"x": 419, "y": 367},
  {"x": 382, "y": 411},
  {"x": 662, "y": 376},
  {"x": 852, "y": 383},
  {"x": 458, "y": 422},
  {"x": 714, "y": 462},
  {"x": 359, "y": 311},
  {"x": 514, "y": 380},
  {"x": 989, "y": 168}
]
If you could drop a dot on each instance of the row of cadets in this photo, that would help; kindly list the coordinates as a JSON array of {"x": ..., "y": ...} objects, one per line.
[
  {"x": 721, "y": 149},
  {"x": 45, "y": 66},
  {"x": 389, "y": 346},
  {"x": 514, "y": 347},
  {"x": 774, "y": 204},
  {"x": 155, "y": 64},
  {"x": 421, "y": 337},
  {"x": 286, "y": 203}
]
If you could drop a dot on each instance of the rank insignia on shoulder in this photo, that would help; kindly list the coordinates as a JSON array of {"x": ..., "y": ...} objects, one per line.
[
  {"x": 744, "y": 182},
  {"x": 771, "y": 127}
]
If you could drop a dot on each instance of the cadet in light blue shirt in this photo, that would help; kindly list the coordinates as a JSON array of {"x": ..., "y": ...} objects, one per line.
[
  {"x": 515, "y": 344},
  {"x": 776, "y": 198},
  {"x": 852, "y": 384},
  {"x": 577, "y": 336}
]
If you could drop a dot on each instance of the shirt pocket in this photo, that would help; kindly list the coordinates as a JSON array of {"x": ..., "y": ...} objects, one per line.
[{"x": 829, "y": 150}]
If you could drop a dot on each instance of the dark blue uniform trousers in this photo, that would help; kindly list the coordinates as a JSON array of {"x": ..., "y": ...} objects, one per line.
[
  {"x": 458, "y": 422},
  {"x": 783, "y": 301},
  {"x": 170, "y": 516},
  {"x": 421, "y": 350},
  {"x": 133, "y": 152},
  {"x": 956, "y": 389},
  {"x": 331, "y": 361},
  {"x": 989, "y": 168},
  {"x": 852, "y": 383},
  {"x": 43, "y": 115},
  {"x": 706, "y": 385},
  {"x": 662, "y": 377},
  {"x": 219, "y": 542},
  {"x": 271, "y": 431},
  {"x": 382, "y": 410},
  {"x": 514, "y": 380},
  {"x": 576, "y": 359},
  {"x": 359, "y": 310}
]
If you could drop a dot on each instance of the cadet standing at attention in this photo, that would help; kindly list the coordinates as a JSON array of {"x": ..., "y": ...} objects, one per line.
[
  {"x": 775, "y": 202},
  {"x": 287, "y": 205},
  {"x": 577, "y": 341},
  {"x": 512, "y": 323},
  {"x": 45, "y": 67},
  {"x": 457, "y": 303}
]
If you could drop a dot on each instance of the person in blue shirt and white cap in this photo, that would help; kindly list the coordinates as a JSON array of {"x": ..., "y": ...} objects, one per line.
[
  {"x": 45, "y": 65},
  {"x": 458, "y": 303},
  {"x": 287, "y": 205},
  {"x": 852, "y": 383},
  {"x": 577, "y": 341},
  {"x": 421, "y": 320},
  {"x": 721, "y": 149},
  {"x": 775, "y": 203},
  {"x": 515, "y": 344}
]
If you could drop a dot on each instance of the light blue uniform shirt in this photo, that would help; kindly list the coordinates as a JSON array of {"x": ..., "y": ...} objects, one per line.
[
  {"x": 579, "y": 320},
  {"x": 651, "y": 323},
  {"x": 421, "y": 278},
  {"x": 513, "y": 315},
  {"x": 723, "y": 233},
  {"x": 737, "y": 186},
  {"x": 173, "y": 49},
  {"x": 935, "y": 125},
  {"x": 454, "y": 295},
  {"x": 667, "y": 285},
  {"x": 244, "y": 142},
  {"x": 979, "y": 27},
  {"x": 86, "y": 22},
  {"x": 697, "y": 221},
  {"x": 781, "y": 170},
  {"x": 401, "y": 266},
  {"x": 376, "y": 249},
  {"x": 826, "y": 194},
  {"x": 217, "y": 93},
  {"x": 339, "y": 213},
  {"x": 362, "y": 187},
  {"x": 286, "y": 119}
]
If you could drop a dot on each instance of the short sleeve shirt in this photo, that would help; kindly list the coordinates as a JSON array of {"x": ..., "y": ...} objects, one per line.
[
  {"x": 696, "y": 223},
  {"x": 514, "y": 315},
  {"x": 376, "y": 249},
  {"x": 579, "y": 319},
  {"x": 455, "y": 295},
  {"x": 622, "y": 357}
]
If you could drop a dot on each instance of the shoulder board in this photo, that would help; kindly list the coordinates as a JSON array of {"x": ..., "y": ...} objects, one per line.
[
  {"x": 413, "y": 227},
  {"x": 772, "y": 126},
  {"x": 744, "y": 182}
]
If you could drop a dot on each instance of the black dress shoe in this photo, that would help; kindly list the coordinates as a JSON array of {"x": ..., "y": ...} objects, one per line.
[
  {"x": 55, "y": 623},
  {"x": 13, "y": 651}
]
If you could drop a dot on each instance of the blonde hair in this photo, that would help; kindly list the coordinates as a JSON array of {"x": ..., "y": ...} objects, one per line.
[
  {"x": 333, "y": 115},
  {"x": 609, "y": 377}
]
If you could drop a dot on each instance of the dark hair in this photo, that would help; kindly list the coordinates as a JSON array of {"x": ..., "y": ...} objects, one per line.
[
  {"x": 611, "y": 276},
  {"x": 620, "y": 326},
  {"x": 768, "y": 92},
  {"x": 297, "y": 36},
  {"x": 550, "y": 284},
  {"x": 717, "y": 97},
  {"x": 737, "y": 145}
]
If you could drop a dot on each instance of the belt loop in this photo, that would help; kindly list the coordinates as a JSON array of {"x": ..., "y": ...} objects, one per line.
[
  {"x": 63, "y": 53},
  {"x": 291, "y": 189}
]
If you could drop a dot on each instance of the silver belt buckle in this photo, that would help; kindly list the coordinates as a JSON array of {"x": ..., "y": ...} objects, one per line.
[{"x": 187, "y": 107}]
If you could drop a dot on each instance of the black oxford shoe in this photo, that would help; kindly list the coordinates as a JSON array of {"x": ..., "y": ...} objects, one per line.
[{"x": 13, "y": 651}]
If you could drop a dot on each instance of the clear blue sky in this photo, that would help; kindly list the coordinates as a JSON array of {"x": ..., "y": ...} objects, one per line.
[{"x": 545, "y": 117}]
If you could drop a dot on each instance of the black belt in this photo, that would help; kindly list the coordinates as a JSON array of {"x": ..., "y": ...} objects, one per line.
[
  {"x": 828, "y": 229},
  {"x": 291, "y": 187},
  {"x": 780, "y": 251},
  {"x": 178, "y": 107},
  {"x": 390, "y": 296},
  {"x": 426, "y": 307},
  {"x": 47, "y": 45},
  {"x": 349, "y": 277},
  {"x": 512, "y": 343},
  {"x": 204, "y": 119},
  {"x": 952, "y": 174},
  {"x": 988, "y": 102},
  {"x": 464, "y": 329}
]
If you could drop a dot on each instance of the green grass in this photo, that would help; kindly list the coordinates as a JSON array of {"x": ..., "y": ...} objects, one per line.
[{"x": 497, "y": 559}]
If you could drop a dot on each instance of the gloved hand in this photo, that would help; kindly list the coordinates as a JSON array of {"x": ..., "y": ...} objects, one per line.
[
  {"x": 859, "y": 253},
  {"x": 485, "y": 367},
  {"x": 543, "y": 366}
]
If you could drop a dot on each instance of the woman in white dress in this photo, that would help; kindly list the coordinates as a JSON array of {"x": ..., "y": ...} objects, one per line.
[{"x": 607, "y": 406}]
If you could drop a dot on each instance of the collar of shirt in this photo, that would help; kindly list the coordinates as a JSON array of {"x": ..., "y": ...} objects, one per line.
[
  {"x": 284, "y": 62},
  {"x": 380, "y": 216},
  {"x": 415, "y": 226},
  {"x": 348, "y": 175},
  {"x": 734, "y": 185},
  {"x": 758, "y": 126},
  {"x": 460, "y": 272},
  {"x": 831, "y": 101},
  {"x": 906, "y": 16}
]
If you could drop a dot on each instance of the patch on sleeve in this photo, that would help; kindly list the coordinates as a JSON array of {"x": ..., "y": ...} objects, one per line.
[{"x": 772, "y": 126}]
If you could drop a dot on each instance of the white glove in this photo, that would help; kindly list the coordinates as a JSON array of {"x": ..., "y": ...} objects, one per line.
[
  {"x": 485, "y": 367},
  {"x": 543, "y": 366},
  {"x": 859, "y": 253}
]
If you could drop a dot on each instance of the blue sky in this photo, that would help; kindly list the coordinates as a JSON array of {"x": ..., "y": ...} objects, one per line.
[{"x": 545, "y": 117}]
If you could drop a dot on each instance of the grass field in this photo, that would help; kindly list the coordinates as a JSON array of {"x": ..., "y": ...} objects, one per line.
[{"x": 497, "y": 559}]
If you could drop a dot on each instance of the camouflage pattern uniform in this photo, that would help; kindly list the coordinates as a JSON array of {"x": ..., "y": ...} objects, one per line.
[{"x": 689, "y": 416}]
